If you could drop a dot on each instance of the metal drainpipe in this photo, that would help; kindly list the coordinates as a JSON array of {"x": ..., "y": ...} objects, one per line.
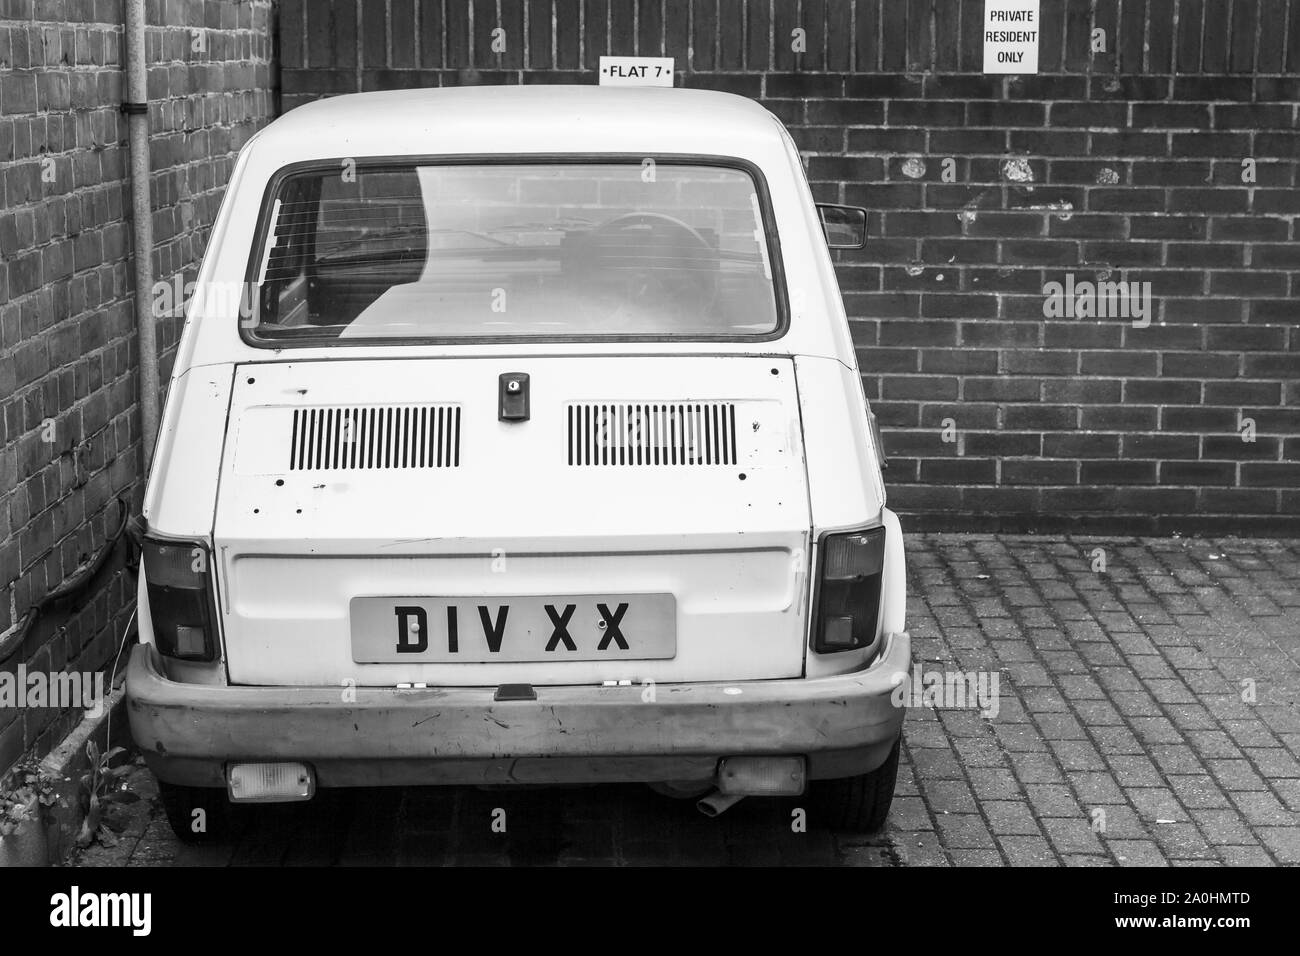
[{"x": 137, "y": 109}]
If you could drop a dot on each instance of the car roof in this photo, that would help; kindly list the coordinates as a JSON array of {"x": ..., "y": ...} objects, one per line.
[{"x": 524, "y": 119}]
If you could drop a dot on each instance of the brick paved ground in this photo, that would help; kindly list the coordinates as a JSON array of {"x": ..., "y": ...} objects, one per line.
[{"x": 1126, "y": 733}]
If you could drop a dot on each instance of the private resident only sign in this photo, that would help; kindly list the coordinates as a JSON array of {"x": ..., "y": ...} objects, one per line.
[{"x": 1010, "y": 36}]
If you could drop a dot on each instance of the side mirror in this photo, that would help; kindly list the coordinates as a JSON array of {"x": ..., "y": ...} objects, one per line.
[{"x": 845, "y": 226}]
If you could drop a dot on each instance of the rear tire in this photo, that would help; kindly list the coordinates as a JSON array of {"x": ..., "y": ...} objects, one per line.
[
  {"x": 860, "y": 803},
  {"x": 197, "y": 815}
]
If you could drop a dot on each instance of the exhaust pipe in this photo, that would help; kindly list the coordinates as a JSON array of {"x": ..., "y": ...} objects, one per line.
[{"x": 717, "y": 803}]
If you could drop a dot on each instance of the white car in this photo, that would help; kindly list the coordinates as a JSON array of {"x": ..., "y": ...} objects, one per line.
[{"x": 516, "y": 436}]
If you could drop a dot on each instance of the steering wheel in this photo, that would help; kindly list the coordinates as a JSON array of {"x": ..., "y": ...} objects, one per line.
[
  {"x": 675, "y": 276},
  {"x": 655, "y": 220}
]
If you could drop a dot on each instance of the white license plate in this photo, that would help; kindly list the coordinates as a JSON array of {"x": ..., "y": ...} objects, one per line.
[{"x": 578, "y": 627}]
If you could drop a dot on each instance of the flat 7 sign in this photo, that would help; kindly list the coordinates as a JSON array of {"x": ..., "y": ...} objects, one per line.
[{"x": 636, "y": 71}]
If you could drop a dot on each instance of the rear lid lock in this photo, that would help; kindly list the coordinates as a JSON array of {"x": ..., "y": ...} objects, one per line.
[{"x": 512, "y": 397}]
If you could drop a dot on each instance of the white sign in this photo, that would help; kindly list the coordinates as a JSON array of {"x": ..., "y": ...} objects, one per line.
[
  {"x": 1010, "y": 36},
  {"x": 636, "y": 71}
]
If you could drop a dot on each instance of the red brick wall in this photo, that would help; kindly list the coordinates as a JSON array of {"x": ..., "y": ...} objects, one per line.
[
  {"x": 68, "y": 361},
  {"x": 1136, "y": 157}
]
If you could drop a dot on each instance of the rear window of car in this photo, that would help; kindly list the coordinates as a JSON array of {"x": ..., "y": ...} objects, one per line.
[{"x": 634, "y": 248}]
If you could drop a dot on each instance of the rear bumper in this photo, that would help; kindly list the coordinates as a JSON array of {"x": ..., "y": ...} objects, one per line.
[{"x": 844, "y": 725}]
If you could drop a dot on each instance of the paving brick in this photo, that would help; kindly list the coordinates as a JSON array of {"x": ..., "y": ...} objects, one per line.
[
  {"x": 1116, "y": 741},
  {"x": 922, "y": 849},
  {"x": 1212, "y": 744},
  {"x": 1117, "y": 821},
  {"x": 1072, "y": 835},
  {"x": 972, "y": 857},
  {"x": 1020, "y": 738},
  {"x": 1288, "y": 792},
  {"x": 1223, "y": 827},
  {"x": 1263, "y": 809},
  {"x": 1033, "y": 767},
  {"x": 964, "y": 831},
  {"x": 1095, "y": 788},
  {"x": 936, "y": 764},
  {"x": 1175, "y": 759},
  {"x": 1010, "y": 818},
  {"x": 908, "y": 814},
  {"x": 1236, "y": 775},
  {"x": 1156, "y": 732},
  {"x": 1076, "y": 755},
  {"x": 1198, "y": 791},
  {"x": 1155, "y": 804},
  {"x": 949, "y": 796},
  {"x": 1137, "y": 853},
  {"x": 1274, "y": 763},
  {"x": 1061, "y": 727},
  {"x": 1028, "y": 851},
  {"x": 980, "y": 753},
  {"x": 1044, "y": 700},
  {"x": 1136, "y": 771},
  {"x": 1053, "y": 800},
  {"x": 1245, "y": 856},
  {"x": 923, "y": 734},
  {"x": 1182, "y": 841},
  {"x": 993, "y": 784}
]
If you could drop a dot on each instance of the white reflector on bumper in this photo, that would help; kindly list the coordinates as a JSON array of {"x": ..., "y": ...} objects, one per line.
[
  {"x": 761, "y": 776},
  {"x": 270, "y": 782}
]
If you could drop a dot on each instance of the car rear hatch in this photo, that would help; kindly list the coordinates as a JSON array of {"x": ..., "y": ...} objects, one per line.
[{"x": 378, "y": 523}]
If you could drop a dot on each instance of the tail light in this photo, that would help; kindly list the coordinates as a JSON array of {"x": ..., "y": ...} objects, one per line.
[
  {"x": 179, "y": 582},
  {"x": 848, "y": 595}
]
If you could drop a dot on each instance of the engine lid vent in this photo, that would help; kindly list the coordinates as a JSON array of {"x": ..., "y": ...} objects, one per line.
[
  {"x": 376, "y": 437},
  {"x": 652, "y": 433}
]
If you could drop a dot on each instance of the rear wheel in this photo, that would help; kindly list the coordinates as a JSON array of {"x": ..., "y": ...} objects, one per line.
[
  {"x": 197, "y": 815},
  {"x": 858, "y": 803}
]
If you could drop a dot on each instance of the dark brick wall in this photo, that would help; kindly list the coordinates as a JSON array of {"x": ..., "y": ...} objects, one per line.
[
  {"x": 1123, "y": 164},
  {"x": 68, "y": 359}
]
